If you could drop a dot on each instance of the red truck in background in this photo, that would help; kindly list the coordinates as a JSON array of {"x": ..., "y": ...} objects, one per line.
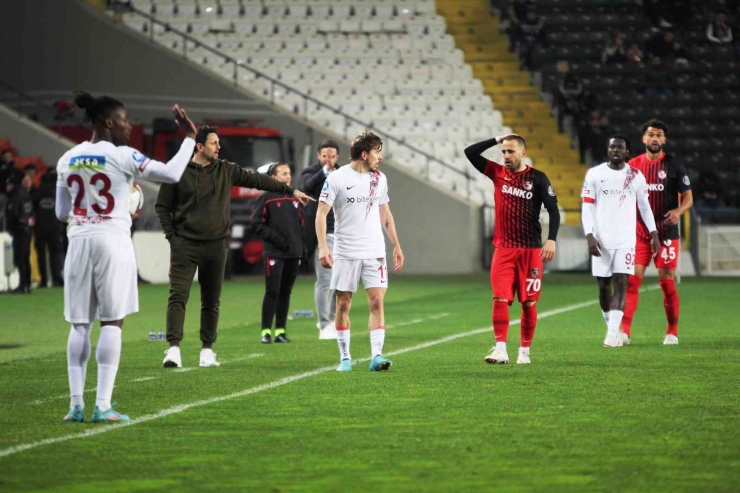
[{"x": 243, "y": 142}]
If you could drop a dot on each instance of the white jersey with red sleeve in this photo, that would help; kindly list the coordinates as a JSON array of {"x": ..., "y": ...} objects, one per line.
[
  {"x": 95, "y": 180},
  {"x": 610, "y": 200}
]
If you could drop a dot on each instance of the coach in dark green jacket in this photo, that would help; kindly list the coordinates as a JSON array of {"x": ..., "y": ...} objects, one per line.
[{"x": 195, "y": 215}]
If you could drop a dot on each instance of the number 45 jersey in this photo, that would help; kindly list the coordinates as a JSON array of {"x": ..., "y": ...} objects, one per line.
[{"x": 99, "y": 178}]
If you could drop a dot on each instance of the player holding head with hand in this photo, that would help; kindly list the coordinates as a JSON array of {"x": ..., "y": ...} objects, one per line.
[
  {"x": 518, "y": 259},
  {"x": 611, "y": 194},
  {"x": 670, "y": 196},
  {"x": 93, "y": 191}
]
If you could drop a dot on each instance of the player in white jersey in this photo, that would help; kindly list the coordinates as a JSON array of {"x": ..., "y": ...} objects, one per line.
[
  {"x": 358, "y": 193},
  {"x": 93, "y": 192},
  {"x": 610, "y": 194}
]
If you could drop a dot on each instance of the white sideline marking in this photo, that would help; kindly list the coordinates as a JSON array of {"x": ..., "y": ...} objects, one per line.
[
  {"x": 418, "y": 320},
  {"x": 277, "y": 383},
  {"x": 146, "y": 379}
]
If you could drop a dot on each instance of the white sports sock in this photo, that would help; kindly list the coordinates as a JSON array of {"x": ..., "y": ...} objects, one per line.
[
  {"x": 523, "y": 350},
  {"x": 343, "y": 343},
  {"x": 108, "y": 355},
  {"x": 78, "y": 354},
  {"x": 606, "y": 318},
  {"x": 377, "y": 338},
  {"x": 501, "y": 346},
  {"x": 615, "y": 321}
]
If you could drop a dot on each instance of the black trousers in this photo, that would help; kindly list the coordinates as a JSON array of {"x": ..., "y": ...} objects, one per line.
[
  {"x": 280, "y": 275},
  {"x": 209, "y": 257},
  {"x": 22, "y": 257},
  {"x": 51, "y": 242}
]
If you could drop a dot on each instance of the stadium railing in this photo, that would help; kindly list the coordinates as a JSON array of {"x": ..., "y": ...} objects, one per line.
[{"x": 472, "y": 194}]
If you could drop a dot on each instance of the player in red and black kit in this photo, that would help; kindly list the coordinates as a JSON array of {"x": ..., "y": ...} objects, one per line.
[
  {"x": 667, "y": 180},
  {"x": 519, "y": 193}
]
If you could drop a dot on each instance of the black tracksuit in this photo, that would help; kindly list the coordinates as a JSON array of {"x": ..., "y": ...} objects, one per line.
[
  {"x": 278, "y": 220},
  {"x": 48, "y": 231},
  {"x": 312, "y": 180},
  {"x": 18, "y": 214}
]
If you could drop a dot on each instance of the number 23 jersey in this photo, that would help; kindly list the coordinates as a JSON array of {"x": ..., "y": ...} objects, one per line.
[{"x": 99, "y": 178}]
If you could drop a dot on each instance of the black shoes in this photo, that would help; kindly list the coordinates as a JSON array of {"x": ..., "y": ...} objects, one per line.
[
  {"x": 266, "y": 339},
  {"x": 281, "y": 338}
]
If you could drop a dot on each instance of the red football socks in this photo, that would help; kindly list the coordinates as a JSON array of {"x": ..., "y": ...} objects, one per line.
[
  {"x": 528, "y": 324},
  {"x": 501, "y": 320},
  {"x": 671, "y": 304},
  {"x": 630, "y": 304}
]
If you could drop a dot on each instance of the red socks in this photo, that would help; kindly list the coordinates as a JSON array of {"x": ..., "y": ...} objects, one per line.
[
  {"x": 500, "y": 320},
  {"x": 671, "y": 304},
  {"x": 528, "y": 324},
  {"x": 630, "y": 304}
]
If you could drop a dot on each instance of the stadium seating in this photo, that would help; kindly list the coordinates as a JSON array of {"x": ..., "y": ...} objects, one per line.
[
  {"x": 388, "y": 63},
  {"x": 703, "y": 113}
]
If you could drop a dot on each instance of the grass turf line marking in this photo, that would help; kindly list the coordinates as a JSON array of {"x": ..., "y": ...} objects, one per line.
[
  {"x": 146, "y": 379},
  {"x": 436, "y": 316},
  {"x": 104, "y": 428}
]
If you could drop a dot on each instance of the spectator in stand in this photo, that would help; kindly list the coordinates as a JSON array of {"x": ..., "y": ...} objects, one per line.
[
  {"x": 679, "y": 55},
  {"x": 568, "y": 98},
  {"x": 20, "y": 221},
  {"x": 658, "y": 80},
  {"x": 531, "y": 33},
  {"x": 516, "y": 13},
  {"x": 657, "y": 11},
  {"x": 48, "y": 230},
  {"x": 719, "y": 32},
  {"x": 593, "y": 135},
  {"x": 615, "y": 51},
  {"x": 635, "y": 55},
  {"x": 660, "y": 45}
]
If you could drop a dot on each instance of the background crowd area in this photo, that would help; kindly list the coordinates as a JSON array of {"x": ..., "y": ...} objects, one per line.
[{"x": 609, "y": 65}]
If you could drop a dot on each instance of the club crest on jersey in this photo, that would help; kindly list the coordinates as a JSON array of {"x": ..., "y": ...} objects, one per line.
[
  {"x": 535, "y": 272},
  {"x": 381, "y": 260},
  {"x": 272, "y": 263},
  {"x": 667, "y": 242},
  {"x": 528, "y": 185},
  {"x": 662, "y": 174}
]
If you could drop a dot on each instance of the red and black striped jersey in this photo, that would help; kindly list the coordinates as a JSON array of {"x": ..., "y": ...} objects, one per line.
[
  {"x": 518, "y": 201},
  {"x": 666, "y": 179}
]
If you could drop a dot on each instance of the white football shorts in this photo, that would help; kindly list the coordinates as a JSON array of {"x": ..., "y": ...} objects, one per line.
[
  {"x": 346, "y": 274},
  {"x": 100, "y": 279},
  {"x": 620, "y": 261}
]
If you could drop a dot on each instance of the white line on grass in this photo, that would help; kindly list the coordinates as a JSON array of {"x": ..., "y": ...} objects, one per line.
[
  {"x": 147, "y": 379},
  {"x": 277, "y": 383},
  {"x": 414, "y": 321}
]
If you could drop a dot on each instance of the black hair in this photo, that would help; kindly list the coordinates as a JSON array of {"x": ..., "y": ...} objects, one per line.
[
  {"x": 97, "y": 110},
  {"x": 272, "y": 170},
  {"x": 655, "y": 123},
  {"x": 328, "y": 144},
  {"x": 203, "y": 132},
  {"x": 621, "y": 137}
]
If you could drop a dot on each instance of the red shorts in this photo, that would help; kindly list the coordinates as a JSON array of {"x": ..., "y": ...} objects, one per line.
[
  {"x": 516, "y": 269},
  {"x": 667, "y": 257}
]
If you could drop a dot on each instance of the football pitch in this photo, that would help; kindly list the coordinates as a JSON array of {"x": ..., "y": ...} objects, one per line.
[{"x": 278, "y": 418}]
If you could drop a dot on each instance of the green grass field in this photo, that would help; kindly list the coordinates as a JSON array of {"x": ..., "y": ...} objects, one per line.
[{"x": 277, "y": 418}]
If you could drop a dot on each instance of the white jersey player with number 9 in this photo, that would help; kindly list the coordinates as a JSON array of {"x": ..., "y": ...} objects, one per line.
[{"x": 100, "y": 277}]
